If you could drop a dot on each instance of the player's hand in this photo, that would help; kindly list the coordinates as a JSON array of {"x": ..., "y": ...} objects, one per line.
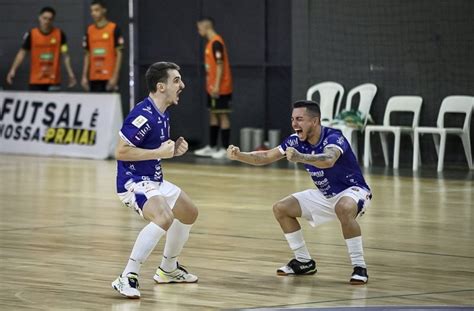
[
  {"x": 292, "y": 154},
  {"x": 72, "y": 81},
  {"x": 233, "y": 152},
  {"x": 215, "y": 92},
  {"x": 10, "y": 77},
  {"x": 85, "y": 84},
  {"x": 180, "y": 147},
  {"x": 166, "y": 150},
  {"x": 112, "y": 84}
]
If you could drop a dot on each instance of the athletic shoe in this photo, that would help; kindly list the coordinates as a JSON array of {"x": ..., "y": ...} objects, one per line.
[
  {"x": 127, "y": 286},
  {"x": 179, "y": 275},
  {"x": 207, "y": 151},
  {"x": 359, "y": 276},
  {"x": 296, "y": 267},
  {"x": 219, "y": 154}
]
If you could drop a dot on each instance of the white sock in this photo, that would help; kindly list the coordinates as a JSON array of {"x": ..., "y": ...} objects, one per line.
[
  {"x": 144, "y": 245},
  {"x": 356, "y": 252},
  {"x": 298, "y": 245},
  {"x": 176, "y": 237}
]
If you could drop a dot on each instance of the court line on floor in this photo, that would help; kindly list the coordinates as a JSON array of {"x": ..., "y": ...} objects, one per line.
[
  {"x": 339, "y": 245},
  {"x": 246, "y": 237},
  {"x": 46, "y": 227},
  {"x": 365, "y": 298}
]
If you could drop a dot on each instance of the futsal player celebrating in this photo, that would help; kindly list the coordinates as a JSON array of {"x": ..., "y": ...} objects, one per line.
[
  {"x": 144, "y": 141},
  {"x": 341, "y": 192}
]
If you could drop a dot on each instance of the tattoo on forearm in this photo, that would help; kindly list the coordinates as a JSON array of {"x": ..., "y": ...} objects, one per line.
[
  {"x": 328, "y": 155},
  {"x": 257, "y": 157}
]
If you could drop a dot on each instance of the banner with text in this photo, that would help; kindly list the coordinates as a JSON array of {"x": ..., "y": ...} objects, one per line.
[{"x": 59, "y": 124}]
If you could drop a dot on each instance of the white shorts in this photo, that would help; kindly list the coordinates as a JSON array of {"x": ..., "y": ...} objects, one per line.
[
  {"x": 139, "y": 192},
  {"x": 318, "y": 209}
]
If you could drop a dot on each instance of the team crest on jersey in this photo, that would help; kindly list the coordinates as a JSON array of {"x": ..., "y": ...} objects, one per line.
[
  {"x": 105, "y": 35},
  {"x": 147, "y": 109},
  {"x": 53, "y": 40},
  {"x": 139, "y": 121},
  {"x": 132, "y": 167}
]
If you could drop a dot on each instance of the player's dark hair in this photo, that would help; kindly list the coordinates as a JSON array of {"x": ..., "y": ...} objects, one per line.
[
  {"x": 48, "y": 9},
  {"x": 312, "y": 107},
  {"x": 99, "y": 2},
  {"x": 207, "y": 19},
  {"x": 158, "y": 72}
]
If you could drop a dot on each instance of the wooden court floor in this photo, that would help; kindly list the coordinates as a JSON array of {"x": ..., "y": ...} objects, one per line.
[{"x": 64, "y": 237}]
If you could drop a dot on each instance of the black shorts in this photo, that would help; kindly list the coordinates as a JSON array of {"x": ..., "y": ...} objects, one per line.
[
  {"x": 98, "y": 86},
  {"x": 221, "y": 104},
  {"x": 45, "y": 87}
]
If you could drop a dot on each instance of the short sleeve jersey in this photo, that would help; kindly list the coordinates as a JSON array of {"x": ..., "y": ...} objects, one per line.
[
  {"x": 344, "y": 174},
  {"x": 147, "y": 128}
]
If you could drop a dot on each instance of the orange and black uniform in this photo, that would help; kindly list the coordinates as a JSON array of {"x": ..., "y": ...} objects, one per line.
[
  {"x": 45, "y": 50},
  {"x": 101, "y": 43},
  {"x": 215, "y": 53}
]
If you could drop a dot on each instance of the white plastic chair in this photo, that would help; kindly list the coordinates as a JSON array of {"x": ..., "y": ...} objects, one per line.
[
  {"x": 451, "y": 104},
  {"x": 400, "y": 104},
  {"x": 327, "y": 92},
  {"x": 367, "y": 93}
]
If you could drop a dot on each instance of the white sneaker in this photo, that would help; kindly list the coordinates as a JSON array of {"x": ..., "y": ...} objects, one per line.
[
  {"x": 207, "y": 151},
  {"x": 127, "y": 286},
  {"x": 179, "y": 275},
  {"x": 220, "y": 154}
]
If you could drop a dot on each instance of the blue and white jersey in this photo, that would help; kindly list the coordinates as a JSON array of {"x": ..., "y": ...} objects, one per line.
[
  {"x": 344, "y": 174},
  {"x": 147, "y": 128}
]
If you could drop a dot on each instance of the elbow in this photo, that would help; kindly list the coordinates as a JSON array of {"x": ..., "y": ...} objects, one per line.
[{"x": 119, "y": 154}]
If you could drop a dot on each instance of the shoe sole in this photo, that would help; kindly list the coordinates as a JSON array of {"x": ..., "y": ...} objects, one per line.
[
  {"x": 358, "y": 282},
  {"x": 175, "y": 282},
  {"x": 123, "y": 295},
  {"x": 281, "y": 273}
]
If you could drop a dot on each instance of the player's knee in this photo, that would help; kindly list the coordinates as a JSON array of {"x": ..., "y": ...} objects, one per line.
[
  {"x": 192, "y": 213},
  {"x": 279, "y": 209},
  {"x": 164, "y": 218},
  {"x": 346, "y": 210}
]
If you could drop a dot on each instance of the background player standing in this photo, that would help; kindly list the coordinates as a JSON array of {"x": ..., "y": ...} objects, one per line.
[
  {"x": 218, "y": 87},
  {"x": 103, "y": 44},
  {"x": 342, "y": 191},
  {"x": 144, "y": 140},
  {"x": 45, "y": 44}
]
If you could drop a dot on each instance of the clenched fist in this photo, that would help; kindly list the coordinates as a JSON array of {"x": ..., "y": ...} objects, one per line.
[
  {"x": 166, "y": 150},
  {"x": 232, "y": 152},
  {"x": 292, "y": 154},
  {"x": 180, "y": 147}
]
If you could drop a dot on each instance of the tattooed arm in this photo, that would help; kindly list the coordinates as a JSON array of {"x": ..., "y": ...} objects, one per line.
[
  {"x": 322, "y": 160},
  {"x": 255, "y": 157}
]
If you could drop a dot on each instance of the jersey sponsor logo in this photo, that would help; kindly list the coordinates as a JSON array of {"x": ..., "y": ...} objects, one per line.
[
  {"x": 141, "y": 133},
  {"x": 139, "y": 121},
  {"x": 147, "y": 109},
  {"x": 321, "y": 183},
  {"x": 316, "y": 174}
]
